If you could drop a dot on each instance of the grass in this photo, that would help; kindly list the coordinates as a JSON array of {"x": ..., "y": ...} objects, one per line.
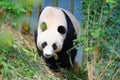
[{"x": 19, "y": 61}]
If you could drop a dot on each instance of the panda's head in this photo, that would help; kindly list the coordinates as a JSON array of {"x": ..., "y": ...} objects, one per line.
[{"x": 50, "y": 41}]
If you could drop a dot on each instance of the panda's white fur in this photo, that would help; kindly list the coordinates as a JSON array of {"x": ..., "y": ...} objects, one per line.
[{"x": 54, "y": 17}]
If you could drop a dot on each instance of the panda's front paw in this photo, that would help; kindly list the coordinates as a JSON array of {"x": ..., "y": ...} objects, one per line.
[
  {"x": 53, "y": 67},
  {"x": 56, "y": 70}
]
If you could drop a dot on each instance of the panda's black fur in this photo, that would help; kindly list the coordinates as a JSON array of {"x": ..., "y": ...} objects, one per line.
[{"x": 64, "y": 58}]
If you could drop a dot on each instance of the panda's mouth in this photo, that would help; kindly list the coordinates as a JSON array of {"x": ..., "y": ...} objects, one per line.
[{"x": 48, "y": 55}]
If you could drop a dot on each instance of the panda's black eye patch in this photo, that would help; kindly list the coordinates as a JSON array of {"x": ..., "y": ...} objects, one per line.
[
  {"x": 44, "y": 44},
  {"x": 61, "y": 29},
  {"x": 54, "y": 46}
]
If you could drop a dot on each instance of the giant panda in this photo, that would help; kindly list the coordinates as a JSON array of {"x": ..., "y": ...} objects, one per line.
[{"x": 54, "y": 41}]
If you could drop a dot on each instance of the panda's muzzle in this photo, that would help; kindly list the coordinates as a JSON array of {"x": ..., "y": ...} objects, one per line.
[{"x": 48, "y": 52}]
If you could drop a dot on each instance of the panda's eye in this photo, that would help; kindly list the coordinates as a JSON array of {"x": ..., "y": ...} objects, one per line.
[
  {"x": 54, "y": 46},
  {"x": 44, "y": 44}
]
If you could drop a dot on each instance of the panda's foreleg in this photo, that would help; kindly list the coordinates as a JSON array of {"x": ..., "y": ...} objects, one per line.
[
  {"x": 69, "y": 60},
  {"x": 51, "y": 63},
  {"x": 35, "y": 38}
]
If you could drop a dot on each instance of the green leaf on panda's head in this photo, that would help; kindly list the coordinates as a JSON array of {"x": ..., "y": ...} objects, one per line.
[{"x": 43, "y": 26}]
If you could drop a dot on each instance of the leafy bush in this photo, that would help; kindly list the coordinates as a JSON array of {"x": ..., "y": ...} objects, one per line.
[
  {"x": 11, "y": 10},
  {"x": 100, "y": 38}
]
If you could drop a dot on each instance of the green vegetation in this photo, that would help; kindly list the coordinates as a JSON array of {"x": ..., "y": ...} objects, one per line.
[
  {"x": 10, "y": 10},
  {"x": 14, "y": 11},
  {"x": 100, "y": 40},
  {"x": 18, "y": 62},
  {"x": 43, "y": 26}
]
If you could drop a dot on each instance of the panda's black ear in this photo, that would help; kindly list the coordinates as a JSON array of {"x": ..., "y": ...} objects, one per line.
[{"x": 61, "y": 29}]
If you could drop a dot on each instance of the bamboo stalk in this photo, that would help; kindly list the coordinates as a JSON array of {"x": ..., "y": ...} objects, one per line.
[
  {"x": 55, "y": 3},
  {"x": 72, "y": 6},
  {"x": 106, "y": 67},
  {"x": 118, "y": 70}
]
